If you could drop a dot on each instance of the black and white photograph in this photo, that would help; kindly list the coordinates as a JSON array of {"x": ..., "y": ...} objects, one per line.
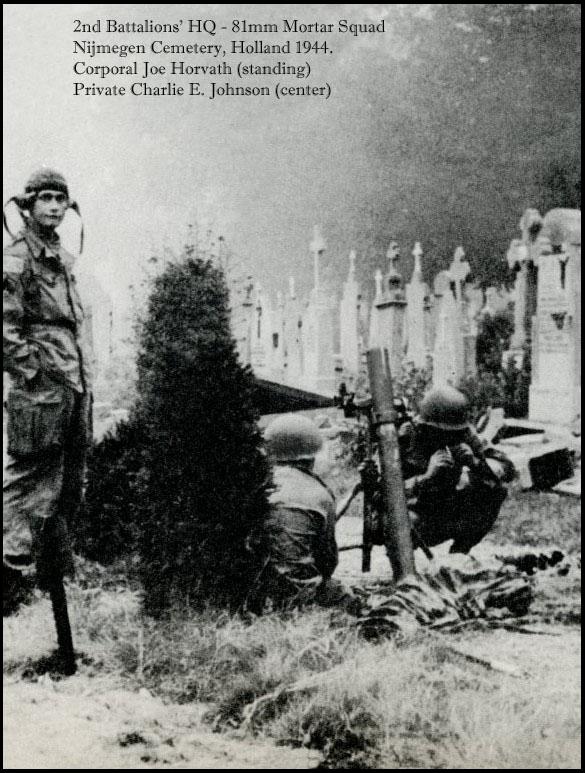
[{"x": 292, "y": 386}]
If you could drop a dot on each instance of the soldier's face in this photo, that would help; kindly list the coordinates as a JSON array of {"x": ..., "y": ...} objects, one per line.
[{"x": 49, "y": 208}]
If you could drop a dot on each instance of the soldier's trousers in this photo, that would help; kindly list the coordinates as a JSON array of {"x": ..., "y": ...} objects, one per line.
[
  {"x": 466, "y": 517},
  {"x": 42, "y": 492},
  {"x": 281, "y": 590}
]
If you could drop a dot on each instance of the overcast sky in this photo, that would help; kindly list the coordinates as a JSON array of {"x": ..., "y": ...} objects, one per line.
[{"x": 264, "y": 170}]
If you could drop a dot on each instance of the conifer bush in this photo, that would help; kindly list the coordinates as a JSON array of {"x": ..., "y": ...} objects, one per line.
[
  {"x": 108, "y": 527},
  {"x": 205, "y": 478}
]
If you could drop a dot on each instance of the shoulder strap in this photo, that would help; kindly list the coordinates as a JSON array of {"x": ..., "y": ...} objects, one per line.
[
  {"x": 322, "y": 482},
  {"x": 4, "y": 220},
  {"x": 18, "y": 201}
]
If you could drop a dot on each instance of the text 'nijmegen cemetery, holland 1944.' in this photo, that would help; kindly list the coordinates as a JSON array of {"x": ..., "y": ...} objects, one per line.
[{"x": 287, "y": 53}]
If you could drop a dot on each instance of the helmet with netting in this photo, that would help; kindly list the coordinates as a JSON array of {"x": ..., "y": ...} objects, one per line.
[
  {"x": 292, "y": 438},
  {"x": 444, "y": 408}
]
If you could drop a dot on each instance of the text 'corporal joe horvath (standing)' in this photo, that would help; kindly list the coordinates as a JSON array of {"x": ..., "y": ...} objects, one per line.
[{"x": 209, "y": 59}]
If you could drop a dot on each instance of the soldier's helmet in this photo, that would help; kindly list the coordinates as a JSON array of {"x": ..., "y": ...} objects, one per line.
[
  {"x": 45, "y": 179},
  {"x": 292, "y": 438},
  {"x": 444, "y": 408}
]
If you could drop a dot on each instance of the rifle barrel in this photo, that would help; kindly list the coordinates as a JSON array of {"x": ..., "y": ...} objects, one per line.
[{"x": 63, "y": 626}]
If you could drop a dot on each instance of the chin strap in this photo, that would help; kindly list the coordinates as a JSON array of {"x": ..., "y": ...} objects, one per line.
[
  {"x": 75, "y": 207},
  {"x": 23, "y": 204}
]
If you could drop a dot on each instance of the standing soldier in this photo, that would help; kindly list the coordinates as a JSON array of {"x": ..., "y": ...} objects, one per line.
[{"x": 49, "y": 401}]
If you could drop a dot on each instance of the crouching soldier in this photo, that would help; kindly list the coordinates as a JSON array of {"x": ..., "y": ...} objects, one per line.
[
  {"x": 48, "y": 402},
  {"x": 297, "y": 542},
  {"x": 454, "y": 484}
]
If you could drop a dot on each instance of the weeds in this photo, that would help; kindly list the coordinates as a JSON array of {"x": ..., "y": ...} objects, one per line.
[
  {"x": 307, "y": 679},
  {"x": 539, "y": 518}
]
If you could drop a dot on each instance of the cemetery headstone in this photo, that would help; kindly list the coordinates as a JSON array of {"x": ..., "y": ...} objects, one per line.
[
  {"x": 348, "y": 322},
  {"x": 388, "y": 312},
  {"x": 416, "y": 297},
  {"x": 555, "y": 390},
  {"x": 319, "y": 325}
]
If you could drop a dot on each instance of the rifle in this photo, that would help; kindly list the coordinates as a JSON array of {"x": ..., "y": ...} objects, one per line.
[
  {"x": 63, "y": 626},
  {"x": 54, "y": 585}
]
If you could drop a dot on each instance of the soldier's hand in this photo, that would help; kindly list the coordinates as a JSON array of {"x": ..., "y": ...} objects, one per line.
[
  {"x": 441, "y": 466},
  {"x": 463, "y": 455},
  {"x": 369, "y": 474}
]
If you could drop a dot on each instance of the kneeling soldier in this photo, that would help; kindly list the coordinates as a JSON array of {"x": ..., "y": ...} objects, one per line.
[
  {"x": 454, "y": 484},
  {"x": 297, "y": 542}
]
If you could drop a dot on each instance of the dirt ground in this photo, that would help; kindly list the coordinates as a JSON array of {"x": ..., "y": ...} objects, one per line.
[
  {"x": 86, "y": 723},
  {"x": 94, "y": 722},
  {"x": 89, "y": 722}
]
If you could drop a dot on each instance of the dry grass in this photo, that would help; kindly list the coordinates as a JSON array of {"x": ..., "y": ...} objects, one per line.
[
  {"x": 539, "y": 518},
  {"x": 395, "y": 704}
]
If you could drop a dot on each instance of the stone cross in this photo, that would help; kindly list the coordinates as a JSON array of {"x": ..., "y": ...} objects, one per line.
[
  {"x": 417, "y": 254},
  {"x": 491, "y": 294},
  {"x": 442, "y": 283},
  {"x": 248, "y": 289},
  {"x": 352, "y": 262},
  {"x": 378, "y": 278},
  {"x": 317, "y": 248},
  {"x": 348, "y": 322},
  {"x": 415, "y": 313},
  {"x": 530, "y": 225},
  {"x": 459, "y": 270},
  {"x": 393, "y": 255}
]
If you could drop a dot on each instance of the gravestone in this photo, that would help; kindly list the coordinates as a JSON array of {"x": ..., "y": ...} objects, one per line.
[
  {"x": 261, "y": 339},
  {"x": 448, "y": 353},
  {"x": 460, "y": 271},
  {"x": 293, "y": 338},
  {"x": 319, "y": 326},
  {"x": 416, "y": 297},
  {"x": 277, "y": 342},
  {"x": 242, "y": 321},
  {"x": 348, "y": 322},
  {"x": 521, "y": 259},
  {"x": 555, "y": 390},
  {"x": 472, "y": 305},
  {"x": 388, "y": 312}
]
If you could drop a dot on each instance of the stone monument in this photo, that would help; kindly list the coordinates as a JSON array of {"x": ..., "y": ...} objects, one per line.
[
  {"x": 448, "y": 353},
  {"x": 319, "y": 325},
  {"x": 349, "y": 322},
  {"x": 388, "y": 312},
  {"x": 521, "y": 259},
  {"x": 555, "y": 390},
  {"x": 416, "y": 297}
]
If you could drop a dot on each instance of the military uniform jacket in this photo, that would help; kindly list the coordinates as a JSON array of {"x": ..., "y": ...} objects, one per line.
[
  {"x": 301, "y": 524},
  {"x": 46, "y": 344},
  {"x": 436, "y": 495}
]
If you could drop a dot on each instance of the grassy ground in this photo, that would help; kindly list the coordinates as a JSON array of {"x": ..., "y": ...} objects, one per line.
[
  {"x": 406, "y": 703},
  {"x": 403, "y": 703},
  {"x": 539, "y": 518}
]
